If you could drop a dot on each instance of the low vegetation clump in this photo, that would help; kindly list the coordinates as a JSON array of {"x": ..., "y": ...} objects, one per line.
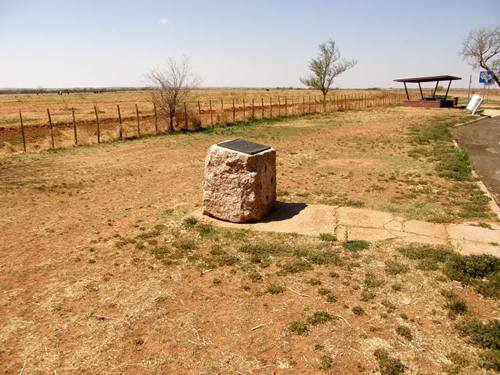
[
  {"x": 356, "y": 245},
  {"x": 393, "y": 267},
  {"x": 405, "y": 332},
  {"x": 275, "y": 289},
  {"x": 455, "y": 304},
  {"x": 388, "y": 365},
  {"x": 485, "y": 335},
  {"x": 373, "y": 281},
  {"x": 327, "y": 237},
  {"x": 319, "y": 317},
  {"x": 482, "y": 272},
  {"x": 358, "y": 310},
  {"x": 298, "y": 327}
]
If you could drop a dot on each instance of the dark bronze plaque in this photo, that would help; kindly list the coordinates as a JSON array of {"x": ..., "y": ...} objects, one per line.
[{"x": 246, "y": 147}]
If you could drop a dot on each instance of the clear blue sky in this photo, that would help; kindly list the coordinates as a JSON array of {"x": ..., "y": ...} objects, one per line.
[{"x": 65, "y": 43}]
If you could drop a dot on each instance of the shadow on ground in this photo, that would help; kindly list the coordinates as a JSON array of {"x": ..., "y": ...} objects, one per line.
[{"x": 284, "y": 211}]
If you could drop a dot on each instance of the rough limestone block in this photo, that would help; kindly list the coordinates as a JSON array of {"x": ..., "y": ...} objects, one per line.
[{"x": 239, "y": 187}]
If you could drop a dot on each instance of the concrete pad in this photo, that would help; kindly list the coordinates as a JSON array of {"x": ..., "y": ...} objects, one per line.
[
  {"x": 491, "y": 112},
  {"x": 370, "y": 234},
  {"x": 422, "y": 239},
  {"x": 287, "y": 218},
  {"x": 472, "y": 233},
  {"x": 475, "y": 248},
  {"x": 362, "y": 217},
  {"x": 423, "y": 228}
]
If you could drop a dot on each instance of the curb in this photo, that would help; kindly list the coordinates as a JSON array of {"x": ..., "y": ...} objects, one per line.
[{"x": 493, "y": 202}]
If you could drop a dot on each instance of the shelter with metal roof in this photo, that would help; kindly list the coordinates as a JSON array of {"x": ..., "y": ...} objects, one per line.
[{"x": 432, "y": 101}]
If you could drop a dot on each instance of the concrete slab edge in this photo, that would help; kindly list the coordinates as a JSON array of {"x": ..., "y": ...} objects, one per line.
[{"x": 493, "y": 202}]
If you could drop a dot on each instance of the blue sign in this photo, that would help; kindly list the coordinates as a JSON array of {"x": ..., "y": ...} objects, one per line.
[{"x": 486, "y": 77}]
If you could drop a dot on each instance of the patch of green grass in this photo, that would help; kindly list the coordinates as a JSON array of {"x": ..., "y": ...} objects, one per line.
[
  {"x": 396, "y": 287},
  {"x": 207, "y": 231},
  {"x": 319, "y": 317},
  {"x": 393, "y": 267},
  {"x": 356, "y": 245},
  {"x": 298, "y": 327},
  {"x": 317, "y": 255},
  {"x": 275, "y": 289},
  {"x": 327, "y": 237},
  {"x": 190, "y": 222},
  {"x": 490, "y": 360},
  {"x": 262, "y": 252},
  {"x": 389, "y": 365},
  {"x": 405, "y": 332},
  {"x": 419, "y": 252}
]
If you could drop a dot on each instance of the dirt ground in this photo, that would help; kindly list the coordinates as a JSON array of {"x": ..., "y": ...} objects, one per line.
[{"x": 99, "y": 274}]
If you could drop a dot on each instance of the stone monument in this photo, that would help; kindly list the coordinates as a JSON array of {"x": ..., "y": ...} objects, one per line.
[{"x": 240, "y": 181}]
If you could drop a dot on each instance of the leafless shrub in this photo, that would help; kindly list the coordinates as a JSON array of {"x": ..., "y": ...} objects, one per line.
[{"x": 172, "y": 86}]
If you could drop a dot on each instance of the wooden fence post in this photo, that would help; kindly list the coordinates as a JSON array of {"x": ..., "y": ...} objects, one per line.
[
  {"x": 270, "y": 106},
  {"x": 234, "y": 112},
  {"x": 222, "y": 110},
  {"x": 22, "y": 130},
  {"x": 253, "y": 109},
  {"x": 303, "y": 104},
  {"x": 262, "y": 106},
  {"x": 51, "y": 128},
  {"x": 309, "y": 104},
  {"x": 279, "y": 107},
  {"x": 120, "y": 126},
  {"x": 138, "y": 121},
  {"x": 211, "y": 113},
  {"x": 98, "y": 126},
  {"x": 156, "y": 118},
  {"x": 186, "y": 116},
  {"x": 74, "y": 126}
]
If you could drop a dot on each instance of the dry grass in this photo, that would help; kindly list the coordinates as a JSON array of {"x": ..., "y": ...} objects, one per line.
[{"x": 101, "y": 274}]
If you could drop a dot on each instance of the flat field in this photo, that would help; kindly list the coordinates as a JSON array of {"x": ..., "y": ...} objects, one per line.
[{"x": 101, "y": 272}]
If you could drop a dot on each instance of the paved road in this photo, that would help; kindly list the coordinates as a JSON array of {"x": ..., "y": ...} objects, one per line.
[{"x": 481, "y": 139}]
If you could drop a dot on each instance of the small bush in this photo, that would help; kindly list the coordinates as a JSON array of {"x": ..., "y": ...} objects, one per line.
[
  {"x": 275, "y": 289},
  {"x": 393, "y": 267},
  {"x": 314, "y": 282},
  {"x": 372, "y": 281},
  {"x": 185, "y": 244},
  {"x": 358, "y": 310},
  {"x": 405, "y": 332},
  {"x": 319, "y": 317},
  {"x": 367, "y": 296},
  {"x": 482, "y": 272},
  {"x": 388, "y": 365},
  {"x": 298, "y": 327},
  {"x": 325, "y": 362},
  {"x": 490, "y": 360},
  {"x": 455, "y": 304},
  {"x": 356, "y": 245},
  {"x": 482, "y": 334}
]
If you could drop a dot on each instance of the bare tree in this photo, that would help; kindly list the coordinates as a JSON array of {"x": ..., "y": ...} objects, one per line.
[
  {"x": 326, "y": 67},
  {"x": 482, "y": 48},
  {"x": 172, "y": 86}
]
